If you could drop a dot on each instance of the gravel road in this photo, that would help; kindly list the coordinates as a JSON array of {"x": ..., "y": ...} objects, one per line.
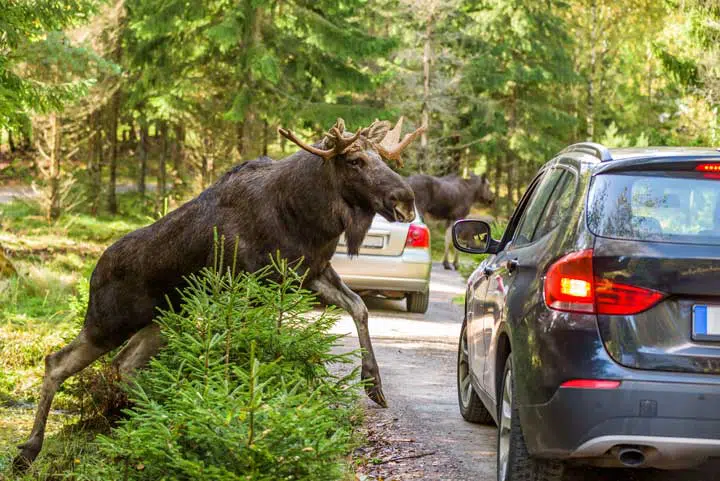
[{"x": 416, "y": 354}]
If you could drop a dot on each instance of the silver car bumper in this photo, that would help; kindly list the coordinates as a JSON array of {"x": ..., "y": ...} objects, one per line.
[{"x": 409, "y": 272}]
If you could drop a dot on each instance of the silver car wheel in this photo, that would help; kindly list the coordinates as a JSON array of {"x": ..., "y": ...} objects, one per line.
[
  {"x": 506, "y": 409},
  {"x": 464, "y": 383}
]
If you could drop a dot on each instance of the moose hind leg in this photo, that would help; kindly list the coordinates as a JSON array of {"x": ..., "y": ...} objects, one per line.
[
  {"x": 138, "y": 351},
  {"x": 448, "y": 246},
  {"x": 59, "y": 366},
  {"x": 334, "y": 291}
]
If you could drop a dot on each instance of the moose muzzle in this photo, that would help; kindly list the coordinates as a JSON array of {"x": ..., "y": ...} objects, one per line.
[{"x": 400, "y": 205}]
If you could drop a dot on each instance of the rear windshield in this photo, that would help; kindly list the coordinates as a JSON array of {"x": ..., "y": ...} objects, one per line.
[{"x": 668, "y": 207}]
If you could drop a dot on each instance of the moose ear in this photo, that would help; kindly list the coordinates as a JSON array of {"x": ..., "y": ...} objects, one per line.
[{"x": 377, "y": 131}]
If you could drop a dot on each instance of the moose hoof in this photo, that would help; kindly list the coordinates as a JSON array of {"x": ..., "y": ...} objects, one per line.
[
  {"x": 446, "y": 265},
  {"x": 376, "y": 395},
  {"x": 28, "y": 453},
  {"x": 22, "y": 462}
]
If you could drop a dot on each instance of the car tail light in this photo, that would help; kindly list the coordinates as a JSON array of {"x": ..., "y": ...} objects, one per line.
[
  {"x": 711, "y": 171},
  {"x": 418, "y": 236},
  {"x": 571, "y": 286},
  {"x": 708, "y": 168},
  {"x": 591, "y": 384}
]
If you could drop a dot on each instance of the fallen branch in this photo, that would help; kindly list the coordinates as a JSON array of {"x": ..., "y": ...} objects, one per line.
[{"x": 400, "y": 458}]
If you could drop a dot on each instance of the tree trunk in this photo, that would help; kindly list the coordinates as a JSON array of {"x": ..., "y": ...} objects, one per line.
[
  {"x": 54, "y": 176},
  {"x": 6, "y": 267},
  {"x": 11, "y": 141},
  {"x": 509, "y": 181},
  {"x": 179, "y": 155},
  {"x": 95, "y": 161},
  {"x": 500, "y": 159},
  {"x": 113, "y": 127},
  {"x": 162, "y": 172},
  {"x": 27, "y": 135},
  {"x": 265, "y": 137},
  {"x": 240, "y": 138},
  {"x": 590, "y": 107},
  {"x": 427, "y": 59},
  {"x": 143, "y": 154}
]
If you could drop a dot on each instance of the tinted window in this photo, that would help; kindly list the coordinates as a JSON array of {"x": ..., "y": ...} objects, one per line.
[
  {"x": 558, "y": 206},
  {"x": 669, "y": 207},
  {"x": 520, "y": 209},
  {"x": 536, "y": 207}
]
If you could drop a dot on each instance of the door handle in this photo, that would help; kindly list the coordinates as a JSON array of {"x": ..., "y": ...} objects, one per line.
[
  {"x": 512, "y": 265},
  {"x": 488, "y": 271}
]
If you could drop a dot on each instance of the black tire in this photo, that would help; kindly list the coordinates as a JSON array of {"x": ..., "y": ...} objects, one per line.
[
  {"x": 471, "y": 407},
  {"x": 417, "y": 302},
  {"x": 520, "y": 465}
]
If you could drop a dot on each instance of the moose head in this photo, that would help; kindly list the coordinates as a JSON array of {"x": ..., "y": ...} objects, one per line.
[
  {"x": 481, "y": 188},
  {"x": 365, "y": 181}
]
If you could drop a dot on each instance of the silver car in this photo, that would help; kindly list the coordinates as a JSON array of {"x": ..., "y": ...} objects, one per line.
[{"x": 394, "y": 262}]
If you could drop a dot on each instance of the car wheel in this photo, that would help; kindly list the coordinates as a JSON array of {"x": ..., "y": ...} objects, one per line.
[
  {"x": 417, "y": 302},
  {"x": 514, "y": 463},
  {"x": 471, "y": 407}
]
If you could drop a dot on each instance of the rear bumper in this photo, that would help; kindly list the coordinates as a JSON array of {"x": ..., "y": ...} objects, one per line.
[
  {"x": 676, "y": 424},
  {"x": 409, "y": 272}
]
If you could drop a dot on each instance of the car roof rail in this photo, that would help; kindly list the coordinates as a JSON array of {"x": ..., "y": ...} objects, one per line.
[{"x": 597, "y": 150}]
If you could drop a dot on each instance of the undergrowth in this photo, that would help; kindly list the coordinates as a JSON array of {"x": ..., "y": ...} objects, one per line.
[{"x": 242, "y": 390}]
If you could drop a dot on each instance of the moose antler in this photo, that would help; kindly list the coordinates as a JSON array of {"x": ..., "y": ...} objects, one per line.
[
  {"x": 391, "y": 147},
  {"x": 340, "y": 143}
]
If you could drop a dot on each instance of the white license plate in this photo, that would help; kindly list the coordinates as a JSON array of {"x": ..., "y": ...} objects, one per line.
[
  {"x": 374, "y": 242},
  {"x": 706, "y": 322}
]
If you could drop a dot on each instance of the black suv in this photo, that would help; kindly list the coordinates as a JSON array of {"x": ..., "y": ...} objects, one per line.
[{"x": 592, "y": 331}]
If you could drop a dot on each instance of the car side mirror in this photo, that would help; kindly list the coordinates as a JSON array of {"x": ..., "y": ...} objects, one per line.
[{"x": 472, "y": 236}]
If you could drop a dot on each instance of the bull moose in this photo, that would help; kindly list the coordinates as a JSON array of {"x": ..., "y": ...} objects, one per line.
[
  {"x": 449, "y": 198},
  {"x": 265, "y": 207}
]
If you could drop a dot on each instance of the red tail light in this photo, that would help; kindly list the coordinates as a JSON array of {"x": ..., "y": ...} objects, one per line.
[
  {"x": 712, "y": 171},
  {"x": 571, "y": 286},
  {"x": 708, "y": 168},
  {"x": 591, "y": 384},
  {"x": 418, "y": 236}
]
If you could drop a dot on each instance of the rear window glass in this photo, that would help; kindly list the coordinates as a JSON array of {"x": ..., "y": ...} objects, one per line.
[{"x": 677, "y": 207}]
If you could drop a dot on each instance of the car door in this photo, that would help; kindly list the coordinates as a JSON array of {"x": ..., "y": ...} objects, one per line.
[
  {"x": 515, "y": 282},
  {"x": 485, "y": 304}
]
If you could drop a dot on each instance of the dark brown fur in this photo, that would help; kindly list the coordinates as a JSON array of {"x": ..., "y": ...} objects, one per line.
[{"x": 449, "y": 198}]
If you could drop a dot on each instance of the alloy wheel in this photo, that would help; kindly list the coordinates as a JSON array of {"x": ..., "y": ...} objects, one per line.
[
  {"x": 506, "y": 408},
  {"x": 464, "y": 372}
]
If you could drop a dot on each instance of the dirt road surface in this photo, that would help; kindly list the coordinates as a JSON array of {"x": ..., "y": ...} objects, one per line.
[
  {"x": 416, "y": 354},
  {"x": 422, "y": 435}
]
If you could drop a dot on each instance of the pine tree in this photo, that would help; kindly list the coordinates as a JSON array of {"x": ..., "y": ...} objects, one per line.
[
  {"x": 516, "y": 83},
  {"x": 30, "y": 41}
]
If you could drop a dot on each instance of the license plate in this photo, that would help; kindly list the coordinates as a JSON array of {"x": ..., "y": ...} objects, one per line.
[
  {"x": 370, "y": 241},
  {"x": 706, "y": 323},
  {"x": 374, "y": 242}
]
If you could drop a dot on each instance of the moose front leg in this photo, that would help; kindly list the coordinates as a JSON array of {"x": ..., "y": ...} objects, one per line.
[{"x": 334, "y": 291}]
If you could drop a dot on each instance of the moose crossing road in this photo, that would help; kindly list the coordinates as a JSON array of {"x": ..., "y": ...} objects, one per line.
[{"x": 422, "y": 435}]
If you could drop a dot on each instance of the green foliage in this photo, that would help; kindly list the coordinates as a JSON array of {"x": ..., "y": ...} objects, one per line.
[
  {"x": 31, "y": 43},
  {"x": 242, "y": 390}
]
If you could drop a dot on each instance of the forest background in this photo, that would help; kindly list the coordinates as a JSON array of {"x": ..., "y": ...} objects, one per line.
[
  {"x": 113, "y": 112},
  {"x": 172, "y": 93}
]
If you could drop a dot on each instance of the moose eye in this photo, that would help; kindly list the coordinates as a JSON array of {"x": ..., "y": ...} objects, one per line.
[{"x": 355, "y": 162}]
